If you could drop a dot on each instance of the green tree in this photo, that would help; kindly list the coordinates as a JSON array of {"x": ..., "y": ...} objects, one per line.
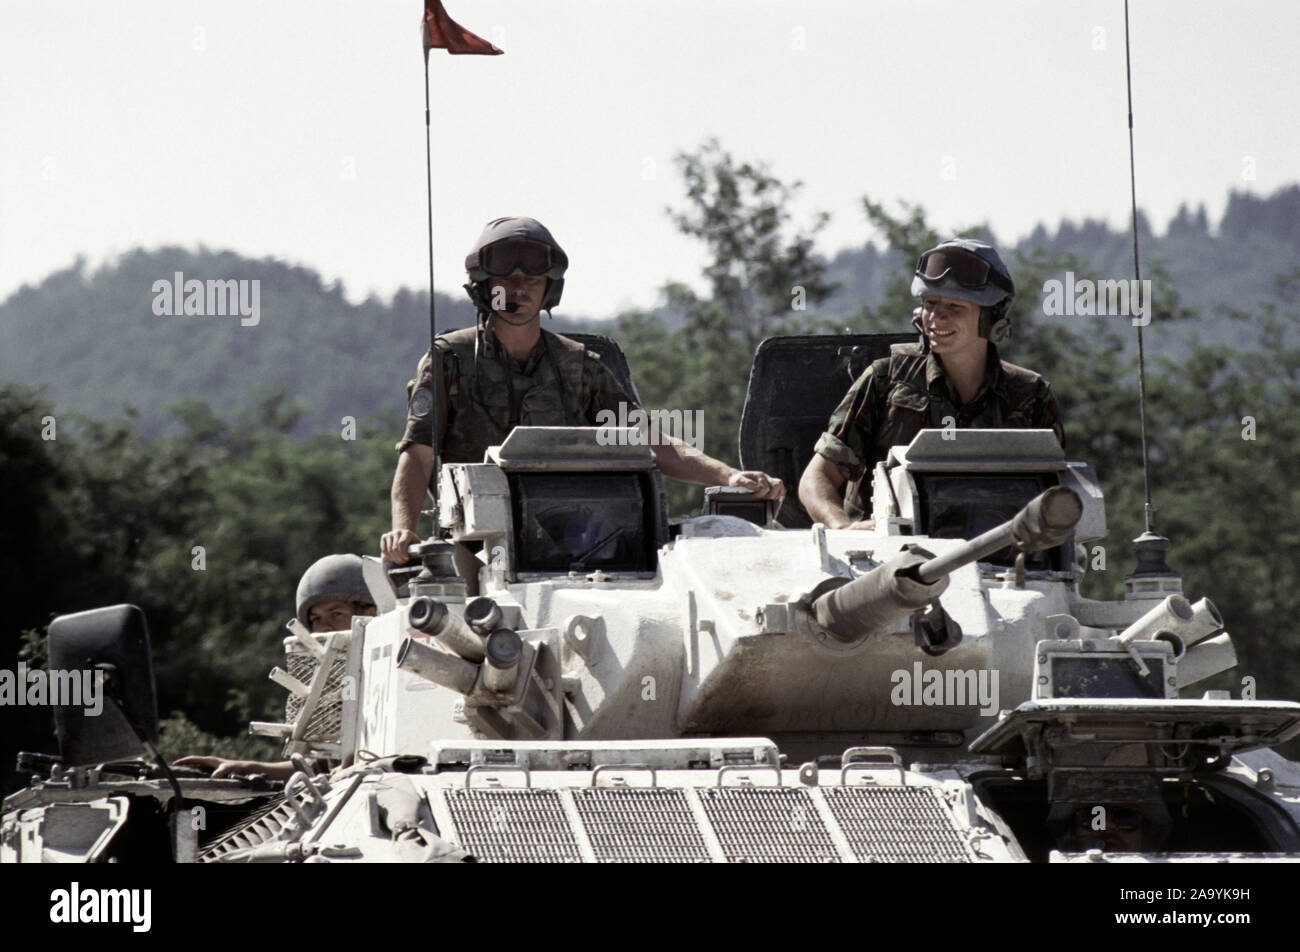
[{"x": 762, "y": 278}]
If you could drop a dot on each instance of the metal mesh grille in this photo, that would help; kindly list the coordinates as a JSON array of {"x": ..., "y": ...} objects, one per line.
[
  {"x": 767, "y": 825},
  {"x": 896, "y": 825},
  {"x": 640, "y": 825},
  {"x": 326, "y": 722},
  {"x": 264, "y": 825},
  {"x": 515, "y": 826}
]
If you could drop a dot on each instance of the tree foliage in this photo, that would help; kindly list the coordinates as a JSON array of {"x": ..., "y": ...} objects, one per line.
[
  {"x": 763, "y": 279},
  {"x": 208, "y": 531}
]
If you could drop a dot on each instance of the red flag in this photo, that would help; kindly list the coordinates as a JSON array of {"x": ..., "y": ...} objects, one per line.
[{"x": 442, "y": 32}]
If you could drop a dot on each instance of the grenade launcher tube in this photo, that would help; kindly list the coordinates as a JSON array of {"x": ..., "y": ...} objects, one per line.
[
  {"x": 434, "y": 618},
  {"x": 440, "y": 667}
]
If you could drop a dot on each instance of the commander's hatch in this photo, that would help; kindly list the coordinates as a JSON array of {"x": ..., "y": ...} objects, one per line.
[
  {"x": 1104, "y": 723},
  {"x": 794, "y": 385}
]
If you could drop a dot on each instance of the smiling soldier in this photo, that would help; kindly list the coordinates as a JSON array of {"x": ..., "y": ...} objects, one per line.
[{"x": 954, "y": 379}]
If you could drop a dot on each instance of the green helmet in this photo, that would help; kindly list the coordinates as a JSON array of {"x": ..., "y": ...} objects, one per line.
[
  {"x": 510, "y": 245},
  {"x": 333, "y": 578}
]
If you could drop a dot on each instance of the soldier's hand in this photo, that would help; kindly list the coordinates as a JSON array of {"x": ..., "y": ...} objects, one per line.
[
  {"x": 218, "y": 767},
  {"x": 758, "y": 483},
  {"x": 200, "y": 763},
  {"x": 393, "y": 545}
]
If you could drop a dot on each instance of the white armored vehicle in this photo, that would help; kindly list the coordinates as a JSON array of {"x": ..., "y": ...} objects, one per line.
[{"x": 613, "y": 687}]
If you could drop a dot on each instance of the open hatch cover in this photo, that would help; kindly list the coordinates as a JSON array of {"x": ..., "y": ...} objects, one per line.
[{"x": 1061, "y": 728}]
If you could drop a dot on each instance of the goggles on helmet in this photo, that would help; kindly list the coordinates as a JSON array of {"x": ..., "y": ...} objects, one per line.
[
  {"x": 965, "y": 267},
  {"x": 507, "y": 257}
]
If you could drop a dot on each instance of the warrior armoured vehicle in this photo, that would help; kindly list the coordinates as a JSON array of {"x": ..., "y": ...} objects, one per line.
[{"x": 736, "y": 687}]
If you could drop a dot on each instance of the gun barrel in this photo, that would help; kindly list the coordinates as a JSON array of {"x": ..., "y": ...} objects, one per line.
[
  {"x": 1045, "y": 522},
  {"x": 878, "y": 599}
]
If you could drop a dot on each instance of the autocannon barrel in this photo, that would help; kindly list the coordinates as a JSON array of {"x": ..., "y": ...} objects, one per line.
[
  {"x": 878, "y": 599},
  {"x": 1044, "y": 523},
  {"x": 912, "y": 580}
]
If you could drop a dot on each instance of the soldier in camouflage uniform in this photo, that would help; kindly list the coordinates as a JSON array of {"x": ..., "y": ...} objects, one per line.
[
  {"x": 508, "y": 372},
  {"x": 953, "y": 378}
]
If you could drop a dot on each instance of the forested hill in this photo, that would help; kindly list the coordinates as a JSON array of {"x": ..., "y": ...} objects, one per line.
[
  {"x": 1235, "y": 264},
  {"x": 94, "y": 341}
]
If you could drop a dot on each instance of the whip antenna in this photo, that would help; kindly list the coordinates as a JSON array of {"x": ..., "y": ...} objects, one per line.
[
  {"x": 1152, "y": 578},
  {"x": 1148, "y": 510}
]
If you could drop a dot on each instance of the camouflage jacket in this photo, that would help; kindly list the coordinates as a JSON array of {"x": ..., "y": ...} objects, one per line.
[
  {"x": 487, "y": 394},
  {"x": 900, "y": 395}
]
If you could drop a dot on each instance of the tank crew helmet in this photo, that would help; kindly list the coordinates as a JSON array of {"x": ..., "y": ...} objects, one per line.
[
  {"x": 512, "y": 245},
  {"x": 968, "y": 270},
  {"x": 333, "y": 578}
]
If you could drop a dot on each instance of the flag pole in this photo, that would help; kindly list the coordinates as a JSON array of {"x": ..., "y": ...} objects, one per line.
[
  {"x": 435, "y": 365},
  {"x": 439, "y": 31}
]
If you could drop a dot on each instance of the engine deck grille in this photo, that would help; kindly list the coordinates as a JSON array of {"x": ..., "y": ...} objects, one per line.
[
  {"x": 516, "y": 825},
  {"x": 768, "y": 825},
  {"x": 896, "y": 825},
  {"x": 733, "y": 824},
  {"x": 640, "y": 825}
]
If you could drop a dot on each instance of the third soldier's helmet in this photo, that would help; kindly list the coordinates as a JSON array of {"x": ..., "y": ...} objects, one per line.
[
  {"x": 508, "y": 245},
  {"x": 969, "y": 270},
  {"x": 333, "y": 578}
]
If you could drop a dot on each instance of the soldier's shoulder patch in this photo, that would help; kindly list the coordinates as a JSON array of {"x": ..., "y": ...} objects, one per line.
[{"x": 421, "y": 402}]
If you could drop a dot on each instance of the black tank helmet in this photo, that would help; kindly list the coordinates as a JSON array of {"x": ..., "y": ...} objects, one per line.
[
  {"x": 510, "y": 245},
  {"x": 968, "y": 270}
]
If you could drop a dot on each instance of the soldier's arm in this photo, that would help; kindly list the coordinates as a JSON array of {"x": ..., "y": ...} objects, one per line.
[
  {"x": 410, "y": 484},
  {"x": 221, "y": 767},
  {"x": 415, "y": 462},
  {"x": 841, "y": 454},
  {"x": 819, "y": 491},
  {"x": 674, "y": 458}
]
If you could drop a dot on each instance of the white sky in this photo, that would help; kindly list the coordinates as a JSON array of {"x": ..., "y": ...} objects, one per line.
[{"x": 295, "y": 128}]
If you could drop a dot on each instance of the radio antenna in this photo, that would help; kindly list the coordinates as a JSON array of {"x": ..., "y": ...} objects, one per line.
[
  {"x": 1152, "y": 578},
  {"x": 1148, "y": 510}
]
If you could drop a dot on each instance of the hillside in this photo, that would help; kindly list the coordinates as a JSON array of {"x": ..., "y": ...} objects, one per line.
[{"x": 93, "y": 341}]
